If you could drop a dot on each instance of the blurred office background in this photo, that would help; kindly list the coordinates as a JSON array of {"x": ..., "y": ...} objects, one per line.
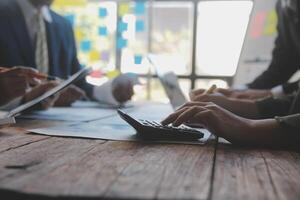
[{"x": 201, "y": 41}]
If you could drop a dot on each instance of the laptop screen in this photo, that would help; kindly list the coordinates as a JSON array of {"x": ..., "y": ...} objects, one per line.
[{"x": 169, "y": 80}]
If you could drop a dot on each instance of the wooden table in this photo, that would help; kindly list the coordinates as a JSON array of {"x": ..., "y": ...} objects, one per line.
[{"x": 43, "y": 167}]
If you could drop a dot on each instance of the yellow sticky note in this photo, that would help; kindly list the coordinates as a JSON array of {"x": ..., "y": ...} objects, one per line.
[
  {"x": 78, "y": 34},
  {"x": 123, "y": 9},
  {"x": 113, "y": 74},
  {"x": 62, "y": 3},
  {"x": 94, "y": 55},
  {"x": 271, "y": 23}
]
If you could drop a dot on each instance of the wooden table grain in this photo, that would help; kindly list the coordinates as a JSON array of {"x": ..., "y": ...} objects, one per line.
[{"x": 42, "y": 167}]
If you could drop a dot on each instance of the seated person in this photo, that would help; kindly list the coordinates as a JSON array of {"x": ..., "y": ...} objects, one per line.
[
  {"x": 245, "y": 121},
  {"x": 20, "y": 85},
  {"x": 285, "y": 58},
  {"x": 37, "y": 37}
]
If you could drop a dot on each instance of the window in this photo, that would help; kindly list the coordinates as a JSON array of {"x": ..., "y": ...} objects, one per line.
[
  {"x": 221, "y": 30},
  {"x": 94, "y": 31},
  {"x": 203, "y": 38},
  {"x": 172, "y": 33}
]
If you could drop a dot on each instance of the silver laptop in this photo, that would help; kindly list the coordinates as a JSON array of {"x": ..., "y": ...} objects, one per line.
[
  {"x": 172, "y": 88},
  {"x": 169, "y": 81}
]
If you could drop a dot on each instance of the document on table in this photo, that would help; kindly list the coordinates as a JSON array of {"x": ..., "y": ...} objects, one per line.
[
  {"x": 70, "y": 114},
  {"x": 114, "y": 128},
  {"x": 84, "y": 111},
  {"x": 97, "y": 130},
  {"x": 81, "y": 111}
]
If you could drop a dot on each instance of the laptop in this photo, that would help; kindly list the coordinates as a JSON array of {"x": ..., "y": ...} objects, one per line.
[
  {"x": 171, "y": 85},
  {"x": 169, "y": 81},
  {"x": 9, "y": 117}
]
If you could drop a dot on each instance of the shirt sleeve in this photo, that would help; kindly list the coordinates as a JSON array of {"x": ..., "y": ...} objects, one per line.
[
  {"x": 278, "y": 91},
  {"x": 284, "y": 58},
  {"x": 240, "y": 87},
  {"x": 285, "y": 89},
  {"x": 291, "y": 125},
  {"x": 290, "y": 121},
  {"x": 271, "y": 107},
  {"x": 104, "y": 93},
  {"x": 289, "y": 88}
]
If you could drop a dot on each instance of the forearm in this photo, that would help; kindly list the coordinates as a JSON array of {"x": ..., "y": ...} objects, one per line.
[
  {"x": 271, "y": 133},
  {"x": 244, "y": 108},
  {"x": 271, "y": 107}
]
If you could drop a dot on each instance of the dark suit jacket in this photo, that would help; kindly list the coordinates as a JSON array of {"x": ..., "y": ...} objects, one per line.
[
  {"x": 286, "y": 54},
  {"x": 16, "y": 47}
]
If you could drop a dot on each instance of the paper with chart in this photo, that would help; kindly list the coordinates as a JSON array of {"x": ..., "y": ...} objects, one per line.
[
  {"x": 81, "y": 111},
  {"x": 114, "y": 128}
]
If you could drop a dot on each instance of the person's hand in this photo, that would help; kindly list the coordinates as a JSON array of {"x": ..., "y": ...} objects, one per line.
[
  {"x": 69, "y": 96},
  {"x": 238, "y": 94},
  {"x": 40, "y": 90},
  {"x": 245, "y": 94},
  {"x": 216, "y": 98},
  {"x": 216, "y": 119},
  {"x": 225, "y": 124},
  {"x": 252, "y": 94},
  {"x": 122, "y": 88},
  {"x": 14, "y": 82},
  {"x": 242, "y": 107},
  {"x": 194, "y": 93}
]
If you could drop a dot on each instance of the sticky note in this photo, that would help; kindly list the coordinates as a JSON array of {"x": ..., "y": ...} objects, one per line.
[
  {"x": 97, "y": 73},
  {"x": 271, "y": 23},
  {"x": 102, "y": 12},
  {"x": 71, "y": 19},
  {"x": 257, "y": 27},
  {"x": 139, "y": 26},
  {"x": 140, "y": 7},
  {"x": 105, "y": 56},
  {"x": 123, "y": 9},
  {"x": 102, "y": 31},
  {"x": 85, "y": 45},
  {"x": 138, "y": 59},
  {"x": 94, "y": 55},
  {"x": 113, "y": 74},
  {"x": 78, "y": 34},
  {"x": 121, "y": 43},
  {"x": 122, "y": 26},
  {"x": 64, "y": 3}
]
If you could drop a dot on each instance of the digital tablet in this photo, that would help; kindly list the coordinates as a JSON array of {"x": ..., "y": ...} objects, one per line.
[{"x": 80, "y": 74}]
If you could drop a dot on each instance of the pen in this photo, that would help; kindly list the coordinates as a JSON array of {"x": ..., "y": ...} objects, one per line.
[
  {"x": 45, "y": 76},
  {"x": 211, "y": 89},
  {"x": 36, "y": 75}
]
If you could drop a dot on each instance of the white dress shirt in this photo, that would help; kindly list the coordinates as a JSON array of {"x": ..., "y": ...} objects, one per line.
[{"x": 30, "y": 15}]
